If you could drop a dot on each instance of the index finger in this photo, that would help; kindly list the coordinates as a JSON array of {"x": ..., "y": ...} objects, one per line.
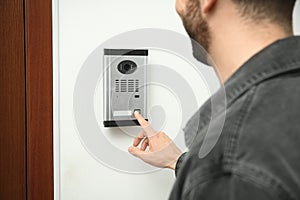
[
  {"x": 141, "y": 120},
  {"x": 144, "y": 124}
]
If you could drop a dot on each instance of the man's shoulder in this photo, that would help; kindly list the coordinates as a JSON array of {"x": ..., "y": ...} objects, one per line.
[
  {"x": 270, "y": 117},
  {"x": 268, "y": 137},
  {"x": 274, "y": 107}
]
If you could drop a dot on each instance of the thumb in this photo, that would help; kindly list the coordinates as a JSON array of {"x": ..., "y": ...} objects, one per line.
[{"x": 135, "y": 151}]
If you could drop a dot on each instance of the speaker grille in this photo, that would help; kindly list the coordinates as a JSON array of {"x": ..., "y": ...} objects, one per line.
[
  {"x": 117, "y": 83},
  {"x": 130, "y": 85},
  {"x": 137, "y": 86},
  {"x": 127, "y": 85},
  {"x": 123, "y": 85}
]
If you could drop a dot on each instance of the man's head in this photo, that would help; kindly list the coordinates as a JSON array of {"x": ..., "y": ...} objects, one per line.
[{"x": 197, "y": 15}]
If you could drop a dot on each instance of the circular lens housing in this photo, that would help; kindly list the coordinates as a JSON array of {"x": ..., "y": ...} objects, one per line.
[{"x": 127, "y": 67}]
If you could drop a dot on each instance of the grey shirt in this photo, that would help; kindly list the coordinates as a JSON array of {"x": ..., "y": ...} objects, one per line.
[{"x": 256, "y": 155}]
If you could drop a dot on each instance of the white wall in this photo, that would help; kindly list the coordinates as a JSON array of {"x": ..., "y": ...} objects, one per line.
[{"x": 83, "y": 25}]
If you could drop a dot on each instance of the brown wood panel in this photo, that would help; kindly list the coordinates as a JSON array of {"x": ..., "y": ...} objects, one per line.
[
  {"x": 12, "y": 101},
  {"x": 39, "y": 99}
]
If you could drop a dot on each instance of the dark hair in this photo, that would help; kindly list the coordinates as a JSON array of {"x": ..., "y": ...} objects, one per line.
[{"x": 277, "y": 11}]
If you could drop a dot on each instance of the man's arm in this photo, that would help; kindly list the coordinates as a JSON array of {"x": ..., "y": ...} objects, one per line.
[{"x": 222, "y": 186}]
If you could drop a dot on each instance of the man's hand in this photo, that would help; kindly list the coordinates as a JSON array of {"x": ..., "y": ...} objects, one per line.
[{"x": 156, "y": 148}]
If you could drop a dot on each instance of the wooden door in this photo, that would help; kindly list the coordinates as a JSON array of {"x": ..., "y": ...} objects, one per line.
[{"x": 26, "y": 150}]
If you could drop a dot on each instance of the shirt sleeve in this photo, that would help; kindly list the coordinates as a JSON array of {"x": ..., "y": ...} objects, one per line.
[{"x": 179, "y": 163}]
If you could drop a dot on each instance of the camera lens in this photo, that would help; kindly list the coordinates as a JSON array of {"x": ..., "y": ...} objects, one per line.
[{"x": 127, "y": 67}]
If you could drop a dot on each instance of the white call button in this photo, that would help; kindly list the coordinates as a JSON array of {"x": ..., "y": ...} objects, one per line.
[{"x": 122, "y": 113}]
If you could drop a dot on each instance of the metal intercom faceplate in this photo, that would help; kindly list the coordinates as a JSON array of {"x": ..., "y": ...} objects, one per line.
[{"x": 125, "y": 88}]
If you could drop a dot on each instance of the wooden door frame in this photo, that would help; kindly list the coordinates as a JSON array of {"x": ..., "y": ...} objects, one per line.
[
  {"x": 12, "y": 101},
  {"x": 39, "y": 99},
  {"x": 26, "y": 146}
]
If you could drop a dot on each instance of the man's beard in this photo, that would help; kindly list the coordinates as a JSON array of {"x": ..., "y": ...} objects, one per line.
[{"x": 198, "y": 30}]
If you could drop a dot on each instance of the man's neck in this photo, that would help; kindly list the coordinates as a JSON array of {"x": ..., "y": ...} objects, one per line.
[{"x": 232, "y": 46}]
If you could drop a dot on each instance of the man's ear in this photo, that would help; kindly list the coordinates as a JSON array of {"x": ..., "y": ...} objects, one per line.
[{"x": 207, "y": 5}]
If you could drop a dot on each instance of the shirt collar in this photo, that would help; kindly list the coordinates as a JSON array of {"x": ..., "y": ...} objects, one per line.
[{"x": 280, "y": 57}]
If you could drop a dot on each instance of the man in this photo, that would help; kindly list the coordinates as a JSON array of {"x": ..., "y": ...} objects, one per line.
[{"x": 257, "y": 58}]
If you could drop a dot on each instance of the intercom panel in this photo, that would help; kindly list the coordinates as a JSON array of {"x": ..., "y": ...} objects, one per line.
[{"x": 125, "y": 91}]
